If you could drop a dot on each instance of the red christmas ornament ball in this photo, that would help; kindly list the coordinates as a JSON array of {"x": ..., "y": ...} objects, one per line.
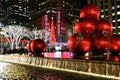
[
  {"x": 72, "y": 42},
  {"x": 88, "y": 26},
  {"x": 83, "y": 46},
  {"x": 28, "y": 46},
  {"x": 115, "y": 44},
  {"x": 37, "y": 46},
  {"x": 77, "y": 27},
  {"x": 100, "y": 44},
  {"x": 104, "y": 25},
  {"x": 90, "y": 11}
]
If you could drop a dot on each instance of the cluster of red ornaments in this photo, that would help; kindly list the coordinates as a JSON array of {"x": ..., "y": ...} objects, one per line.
[
  {"x": 36, "y": 46},
  {"x": 93, "y": 34}
]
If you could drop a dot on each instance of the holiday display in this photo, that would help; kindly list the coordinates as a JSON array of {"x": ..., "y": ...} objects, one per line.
[
  {"x": 115, "y": 44},
  {"x": 28, "y": 46},
  {"x": 87, "y": 26},
  {"x": 96, "y": 34},
  {"x": 90, "y": 11},
  {"x": 104, "y": 25},
  {"x": 83, "y": 46},
  {"x": 52, "y": 35},
  {"x": 100, "y": 44},
  {"x": 72, "y": 42},
  {"x": 77, "y": 27},
  {"x": 36, "y": 46}
]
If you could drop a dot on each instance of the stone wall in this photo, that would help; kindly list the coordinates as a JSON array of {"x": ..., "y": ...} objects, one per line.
[{"x": 96, "y": 67}]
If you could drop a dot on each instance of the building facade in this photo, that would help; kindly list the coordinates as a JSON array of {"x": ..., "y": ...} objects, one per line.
[
  {"x": 2, "y": 14},
  {"x": 38, "y": 14},
  {"x": 110, "y": 9},
  {"x": 16, "y": 12},
  {"x": 77, "y": 5},
  {"x": 42, "y": 12}
]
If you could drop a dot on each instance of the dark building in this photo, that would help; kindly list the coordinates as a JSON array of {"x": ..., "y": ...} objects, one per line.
[
  {"x": 77, "y": 5},
  {"x": 110, "y": 9},
  {"x": 2, "y": 14},
  {"x": 16, "y": 12}
]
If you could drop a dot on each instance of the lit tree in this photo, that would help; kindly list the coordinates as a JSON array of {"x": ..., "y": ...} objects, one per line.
[
  {"x": 52, "y": 35},
  {"x": 14, "y": 33},
  {"x": 42, "y": 34}
]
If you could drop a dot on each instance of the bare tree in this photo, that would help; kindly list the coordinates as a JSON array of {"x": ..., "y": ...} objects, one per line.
[
  {"x": 42, "y": 34},
  {"x": 14, "y": 33}
]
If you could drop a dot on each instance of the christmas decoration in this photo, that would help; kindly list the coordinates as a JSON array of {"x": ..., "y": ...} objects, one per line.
[
  {"x": 77, "y": 27},
  {"x": 96, "y": 34},
  {"x": 104, "y": 25},
  {"x": 72, "y": 42},
  {"x": 83, "y": 46},
  {"x": 100, "y": 44},
  {"x": 37, "y": 46},
  {"x": 87, "y": 26},
  {"x": 90, "y": 11},
  {"x": 28, "y": 46},
  {"x": 52, "y": 35},
  {"x": 114, "y": 44}
]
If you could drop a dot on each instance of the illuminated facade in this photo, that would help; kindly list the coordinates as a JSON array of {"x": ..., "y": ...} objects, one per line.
[
  {"x": 16, "y": 12},
  {"x": 38, "y": 14},
  {"x": 42, "y": 11},
  {"x": 52, "y": 34},
  {"x": 110, "y": 9}
]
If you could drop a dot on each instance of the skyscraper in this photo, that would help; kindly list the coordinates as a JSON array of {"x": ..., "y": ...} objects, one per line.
[
  {"x": 2, "y": 14},
  {"x": 16, "y": 12},
  {"x": 110, "y": 9}
]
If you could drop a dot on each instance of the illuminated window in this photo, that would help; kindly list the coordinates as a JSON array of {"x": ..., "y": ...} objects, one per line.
[
  {"x": 114, "y": 27},
  {"x": 118, "y": 6},
  {"x": 118, "y": 20},
  {"x": 118, "y": 13},
  {"x": 118, "y": 26},
  {"x": 113, "y": 20},
  {"x": 113, "y": 7},
  {"x": 113, "y": 14},
  {"x": 102, "y": 16}
]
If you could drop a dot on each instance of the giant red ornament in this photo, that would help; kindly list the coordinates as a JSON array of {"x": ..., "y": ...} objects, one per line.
[
  {"x": 100, "y": 44},
  {"x": 77, "y": 27},
  {"x": 83, "y": 46},
  {"x": 115, "y": 58},
  {"x": 28, "y": 46},
  {"x": 37, "y": 46},
  {"x": 87, "y": 26},
  {"x": 115, "y": 44},
  {"x": 72, "y": 42},
  {"x": 104, "y": 25},
  {"x": 90, "y": 11}
]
